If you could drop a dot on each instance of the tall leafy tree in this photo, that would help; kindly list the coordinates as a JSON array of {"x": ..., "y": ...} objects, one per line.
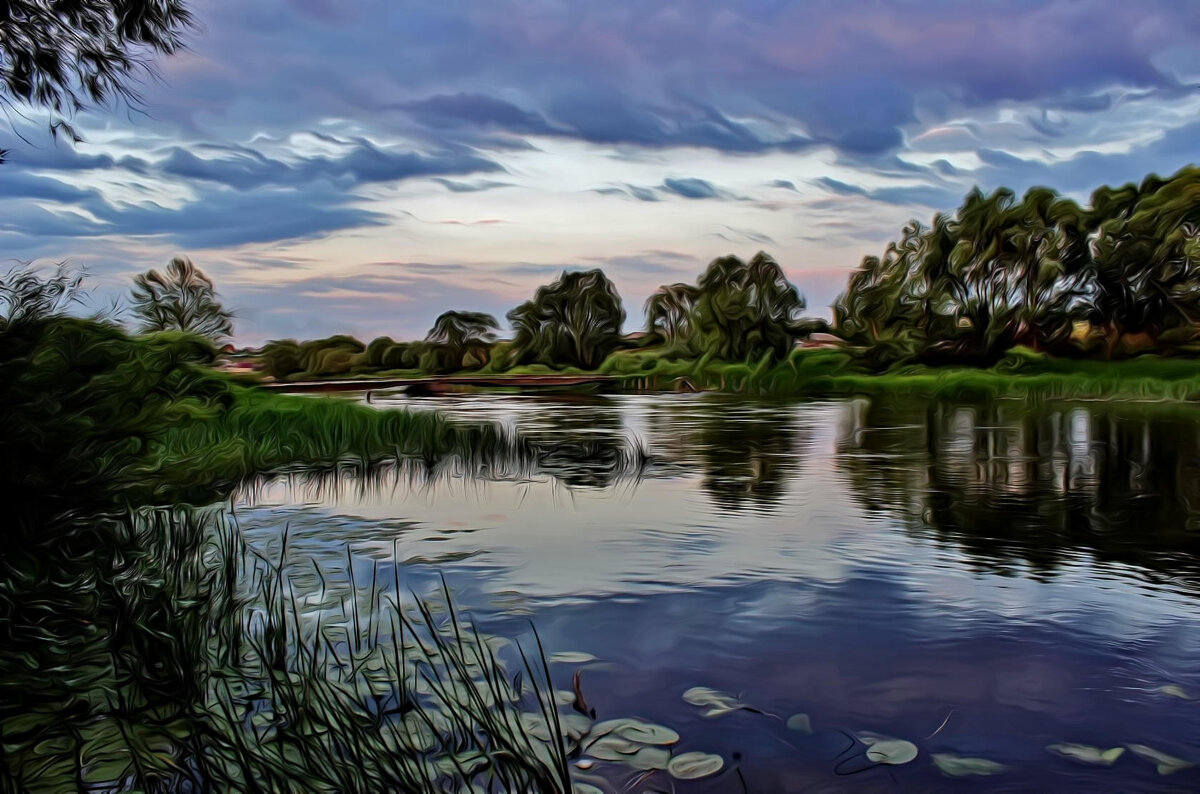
[
  {"x": 1003, "y": 272},
  {"x": 574, "y": 321},
  {"x": 745, "y": 309},
  {"x": 670, "y": 311},
  {"x": 180, "y": 299},
  {"x": 464, "y": 335}
]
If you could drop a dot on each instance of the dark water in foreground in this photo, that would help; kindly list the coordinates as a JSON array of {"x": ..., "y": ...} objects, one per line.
[{"x": 983, "y": 581}]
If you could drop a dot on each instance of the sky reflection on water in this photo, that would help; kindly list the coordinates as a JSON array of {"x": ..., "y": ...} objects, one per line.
[{"x": 1024, "y": 573}]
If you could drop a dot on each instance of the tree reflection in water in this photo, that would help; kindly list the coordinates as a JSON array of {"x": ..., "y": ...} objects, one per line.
[{"x": 1011, "y": 482}]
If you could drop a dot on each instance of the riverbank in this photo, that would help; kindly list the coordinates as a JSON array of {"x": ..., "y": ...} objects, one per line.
[{"x": 823, "y": 373}]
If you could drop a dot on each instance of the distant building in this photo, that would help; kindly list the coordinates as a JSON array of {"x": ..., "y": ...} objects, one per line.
[{"x": 820, "y": 340}]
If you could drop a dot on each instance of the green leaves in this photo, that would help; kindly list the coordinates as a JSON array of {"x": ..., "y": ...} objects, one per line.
[
  {"x": 1165, "y": 764},
  {"x": 886, "y": 750},
  {"x": 181, "y": 299},
  {"x": 1004, "y": 272},
  {"x": 1087, "y": 754},
  {"x": 575, "y": 321},
  {"x": 716, "y": 704},
  {"x": 962, "y": 766},
  {"x": 692, "y": 766}
]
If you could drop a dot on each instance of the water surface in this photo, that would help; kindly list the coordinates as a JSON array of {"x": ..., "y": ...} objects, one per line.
[{"x": 984, "y": 580}]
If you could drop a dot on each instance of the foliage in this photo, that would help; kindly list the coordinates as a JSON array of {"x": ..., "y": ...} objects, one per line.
[
  {"x": 1041, "y": 272},
  {"x": 168, "y": 652},
  {"x": 181, "y": 299},
  {"x": 25, "y": 295},
  {"x": 737, "y": 311},
  {"x": 62, "y": 55},
  {"x": 336, "y": 355},
  {"x": 575, "y": 321},
  {"x": 460, "y": 340},
  {"x": 80, "y": 402}
]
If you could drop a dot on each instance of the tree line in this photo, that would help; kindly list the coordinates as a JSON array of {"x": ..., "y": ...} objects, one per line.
[
  {"x": 1116, "y": 277},
  {"x": 1119, "y": 276},
  {"x": 736, "y": 310}
]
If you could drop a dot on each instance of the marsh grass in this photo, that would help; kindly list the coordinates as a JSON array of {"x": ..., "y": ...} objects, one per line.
[
  {"x": 215, "y": 666},
  {"x": 822, "y": 373}
]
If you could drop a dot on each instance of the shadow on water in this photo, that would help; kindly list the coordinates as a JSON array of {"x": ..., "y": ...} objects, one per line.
[
  {"x": 746, "y": 453},
  {"x": 1013, "y": 484}
]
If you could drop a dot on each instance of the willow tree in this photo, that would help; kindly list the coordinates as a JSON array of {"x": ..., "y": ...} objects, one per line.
[
  {"x": 1147, "y": 254},
  {"x": 575, "y": 321},
  {"x": 670, "y": 311},
  {"x": 463, "y": 336},
  {"x": 745, "y": 309},
  {"x": 63, "y": 56},
  {"x": 180, "y": 299}
]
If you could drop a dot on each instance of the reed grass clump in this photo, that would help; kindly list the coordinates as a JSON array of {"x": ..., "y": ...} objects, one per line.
[{"x": 217, "y": 667}]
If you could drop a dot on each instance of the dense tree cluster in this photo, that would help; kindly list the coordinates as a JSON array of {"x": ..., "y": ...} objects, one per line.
[
  {"x": 1119, "y": 276},
  {"x": 575, "y": 321},
  {"x": 736, "y": 310}
]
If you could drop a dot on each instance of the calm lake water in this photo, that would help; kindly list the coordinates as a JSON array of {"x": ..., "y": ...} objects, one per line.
[{"x": 982, "y": 580}]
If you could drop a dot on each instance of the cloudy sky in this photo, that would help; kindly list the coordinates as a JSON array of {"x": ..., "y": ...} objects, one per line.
[{"x": 359, "y": 166}]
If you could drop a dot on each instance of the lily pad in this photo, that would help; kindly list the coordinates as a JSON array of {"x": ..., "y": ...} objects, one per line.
[
  {"x": 891, "y": 751},
  {"x": 1086, "y": 754},
  {"x": 691, "y": 766},
  {"x": 575, "y": 725},
  {"x": 612, "y": 748},
  {"x": 637, "y": 731},
  {"x": 572, "y": 657},
  {"x": 800, "y": 722},
  {"x": 1164, "y": 763},
  {"x": 535, "y": 725},
  {"x": 718, "y": 703},
  {"x": 649, "y": 758},
  {"x": 961, "y": 766}
]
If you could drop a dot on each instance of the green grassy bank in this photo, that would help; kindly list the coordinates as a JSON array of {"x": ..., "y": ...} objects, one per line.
[{"x": 819, "y": 373}]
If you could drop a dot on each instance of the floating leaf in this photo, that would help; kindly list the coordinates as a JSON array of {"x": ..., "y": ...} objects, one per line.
[
  {"x": 572, "y": 657},
  {"x": 535, "y": 725},
  {"x": 612, "y": 748},
  {"x": 690, "y": 766},
  {"x": 960, "y": 766},
  {"x": 1165, "y": 764},
  {"x": 649, "y": 758},
  {"x": 800, "y": 722},
  {"x": 575, "y": 725},
  {"x": 1087, "y": 754},
  {"x": 637, "y": 731},
  {"x": 586, "y": 788},
  {"x": 1175, "y": 691},
  {"x": 891, "y": 751},
  {"x": 719, "y": 703}
]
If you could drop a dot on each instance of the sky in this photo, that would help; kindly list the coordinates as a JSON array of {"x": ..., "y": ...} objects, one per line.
[{"x": 360, "y": 167}]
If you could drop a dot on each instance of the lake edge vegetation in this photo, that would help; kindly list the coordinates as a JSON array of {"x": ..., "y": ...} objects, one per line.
[{"x": 1003, "y": 296}]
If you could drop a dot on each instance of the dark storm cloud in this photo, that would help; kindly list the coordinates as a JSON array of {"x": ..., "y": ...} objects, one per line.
[
  {"x": 736, "y": 77},
  {"x": 215, "y": 220},
  {"x": 243, "y": 195},
  {"x": 243, "y": 168}
]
